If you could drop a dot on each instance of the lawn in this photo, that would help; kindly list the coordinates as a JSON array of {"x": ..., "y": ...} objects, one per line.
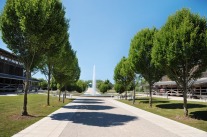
[
  {"x": 11, "y": 120},
  {"x": 174, "y": 110}
]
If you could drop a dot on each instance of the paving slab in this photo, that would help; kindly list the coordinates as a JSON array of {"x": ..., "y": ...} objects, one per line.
[{"x": 106, "y": 117}]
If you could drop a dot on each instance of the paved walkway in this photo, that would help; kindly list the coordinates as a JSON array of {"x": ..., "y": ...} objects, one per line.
[{"x": 105, "y": 117}]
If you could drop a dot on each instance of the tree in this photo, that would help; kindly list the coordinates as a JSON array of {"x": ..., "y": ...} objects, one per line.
[
  {"x": 22, "y": 26},
  {"x": 181, "y": 49},
  {"x": 98, "y": 83},
  {"x": 58, "y": 26},
  {"x": 73, "y": 72},
  {"x": 140, "y": 57},
  {"x": 119, "y": 88},
  {"x": 109, "y": 84},
  {"x": 81, "y": 86},
  {"x": 140, "y": 83},
  {"x": 123, "y": 75},
  {"x": 53, "y": 84},
  {"x": 103, "y": 87},
  {"x": 42, "y": 83},
  {"x": 66, "y": 69}
]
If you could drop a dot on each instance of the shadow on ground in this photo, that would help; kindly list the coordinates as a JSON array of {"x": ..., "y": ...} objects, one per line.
[
  {"x": 200, "y": 115},
  {"x": 99, "y": 119},
  {"x": 154, "y": 101},
  {"x": 87, "y": 102},
  {"x": 86, "y": 99},
  {"x": 89, "y": 107},
  {"x": 179, "y": 106}
]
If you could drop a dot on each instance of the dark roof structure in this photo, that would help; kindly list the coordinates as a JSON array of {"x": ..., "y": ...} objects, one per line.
[
  {"x": 8, "y": 76},
  {"x": 11, "y": 58},
  {"x": 197, "y": 82}
]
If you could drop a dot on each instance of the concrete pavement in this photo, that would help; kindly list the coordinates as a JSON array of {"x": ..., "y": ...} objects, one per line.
[{"x": 105, "y": 117}]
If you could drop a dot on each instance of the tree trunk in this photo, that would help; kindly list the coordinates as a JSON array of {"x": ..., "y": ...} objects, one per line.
[
  {"x": 134, "y": 94},
  {"x": 125, "y": 95},
  {"x": 185, "y": 100},
  {"x": 65, "y": 92},
  {"x": 59, "y": 93},
  {"x": 26, "y": 87},
  {"x": 48, "y": 87},
  {"x": 150, "y": 93},
  {"x": 63, "y": 97}
]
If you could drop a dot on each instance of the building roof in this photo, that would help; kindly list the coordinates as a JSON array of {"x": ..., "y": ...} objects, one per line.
[
  {"x": 165, "y": 83},
  {"x": 9, "y": 57},
  {"x": 8, "y": 76},
  {"x": 7, "y": 54},
  {"x": 201, "y": 81},
  {"x": 197, "y": 82}
]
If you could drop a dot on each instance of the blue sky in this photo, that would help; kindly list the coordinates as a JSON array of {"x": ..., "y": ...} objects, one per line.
[{"x": 101, "y": 30}]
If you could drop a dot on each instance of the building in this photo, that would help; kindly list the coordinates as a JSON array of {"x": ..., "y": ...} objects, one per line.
[
  {"x": 11, "y": 72},
  {"x": 198, "y": 88}
]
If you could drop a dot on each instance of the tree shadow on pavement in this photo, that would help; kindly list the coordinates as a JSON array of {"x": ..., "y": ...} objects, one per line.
[
  {"x": 86, "y": 99},
  {"x": 99, "y": 119},
  {"x": 88, "y": 107},
  {"x": 200, "y": 115},
  {"x": 179, "y": 106},
  {"x": 87, "y": 102}
]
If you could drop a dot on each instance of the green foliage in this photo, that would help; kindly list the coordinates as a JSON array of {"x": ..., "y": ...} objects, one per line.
[
  {"x": 59, "y": 30},
  {"x": 181, "y": 49},
  {"x": 66, "y": 69},
  {"x": 53, "y": 84},
  {"x": 123, "y": 76},
  {"x": 98, "y": 83},
  {"x": 81, "y": 86},
  {"x": 109, "y": 84},
  {"x": 119, "y": 88},
  {"x": 103, "y": 87},
  {"x": 123, "y": 73},
  {"x": 22, "y": 29},
  {"x": 140, "y": 55},
  {"x": 141, "y": 82},
  {"x": 30, "y": 28},
  {"x": 54, "y": 38},
  {"x": 42, "y": 84}
]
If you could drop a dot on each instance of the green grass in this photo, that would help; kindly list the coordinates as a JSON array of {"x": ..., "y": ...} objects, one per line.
[
  {"x": 174, "y": 110},
  {"x": 11, "y": 120}
]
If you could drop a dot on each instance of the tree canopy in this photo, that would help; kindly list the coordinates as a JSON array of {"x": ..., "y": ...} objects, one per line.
[
  {"x": 66, "y": 69},
  {"x": 123, "y": 74},
  {"x": 181, "y": 49},
  {"x": 119, "y": 88},
  {"x": 55, "y": 35},
  {"x": 140, "y": 57},
  {"x": 27, "y": 28},
  {"x": 81, "y": 86},
  {"x": 104, "y": 86}
]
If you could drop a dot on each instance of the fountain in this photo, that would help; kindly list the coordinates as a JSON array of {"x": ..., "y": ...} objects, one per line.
[{"x": 92, "y": 91}]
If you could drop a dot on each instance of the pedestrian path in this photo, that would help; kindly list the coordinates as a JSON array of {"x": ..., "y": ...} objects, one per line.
[{"x": 105, "y": 117}]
